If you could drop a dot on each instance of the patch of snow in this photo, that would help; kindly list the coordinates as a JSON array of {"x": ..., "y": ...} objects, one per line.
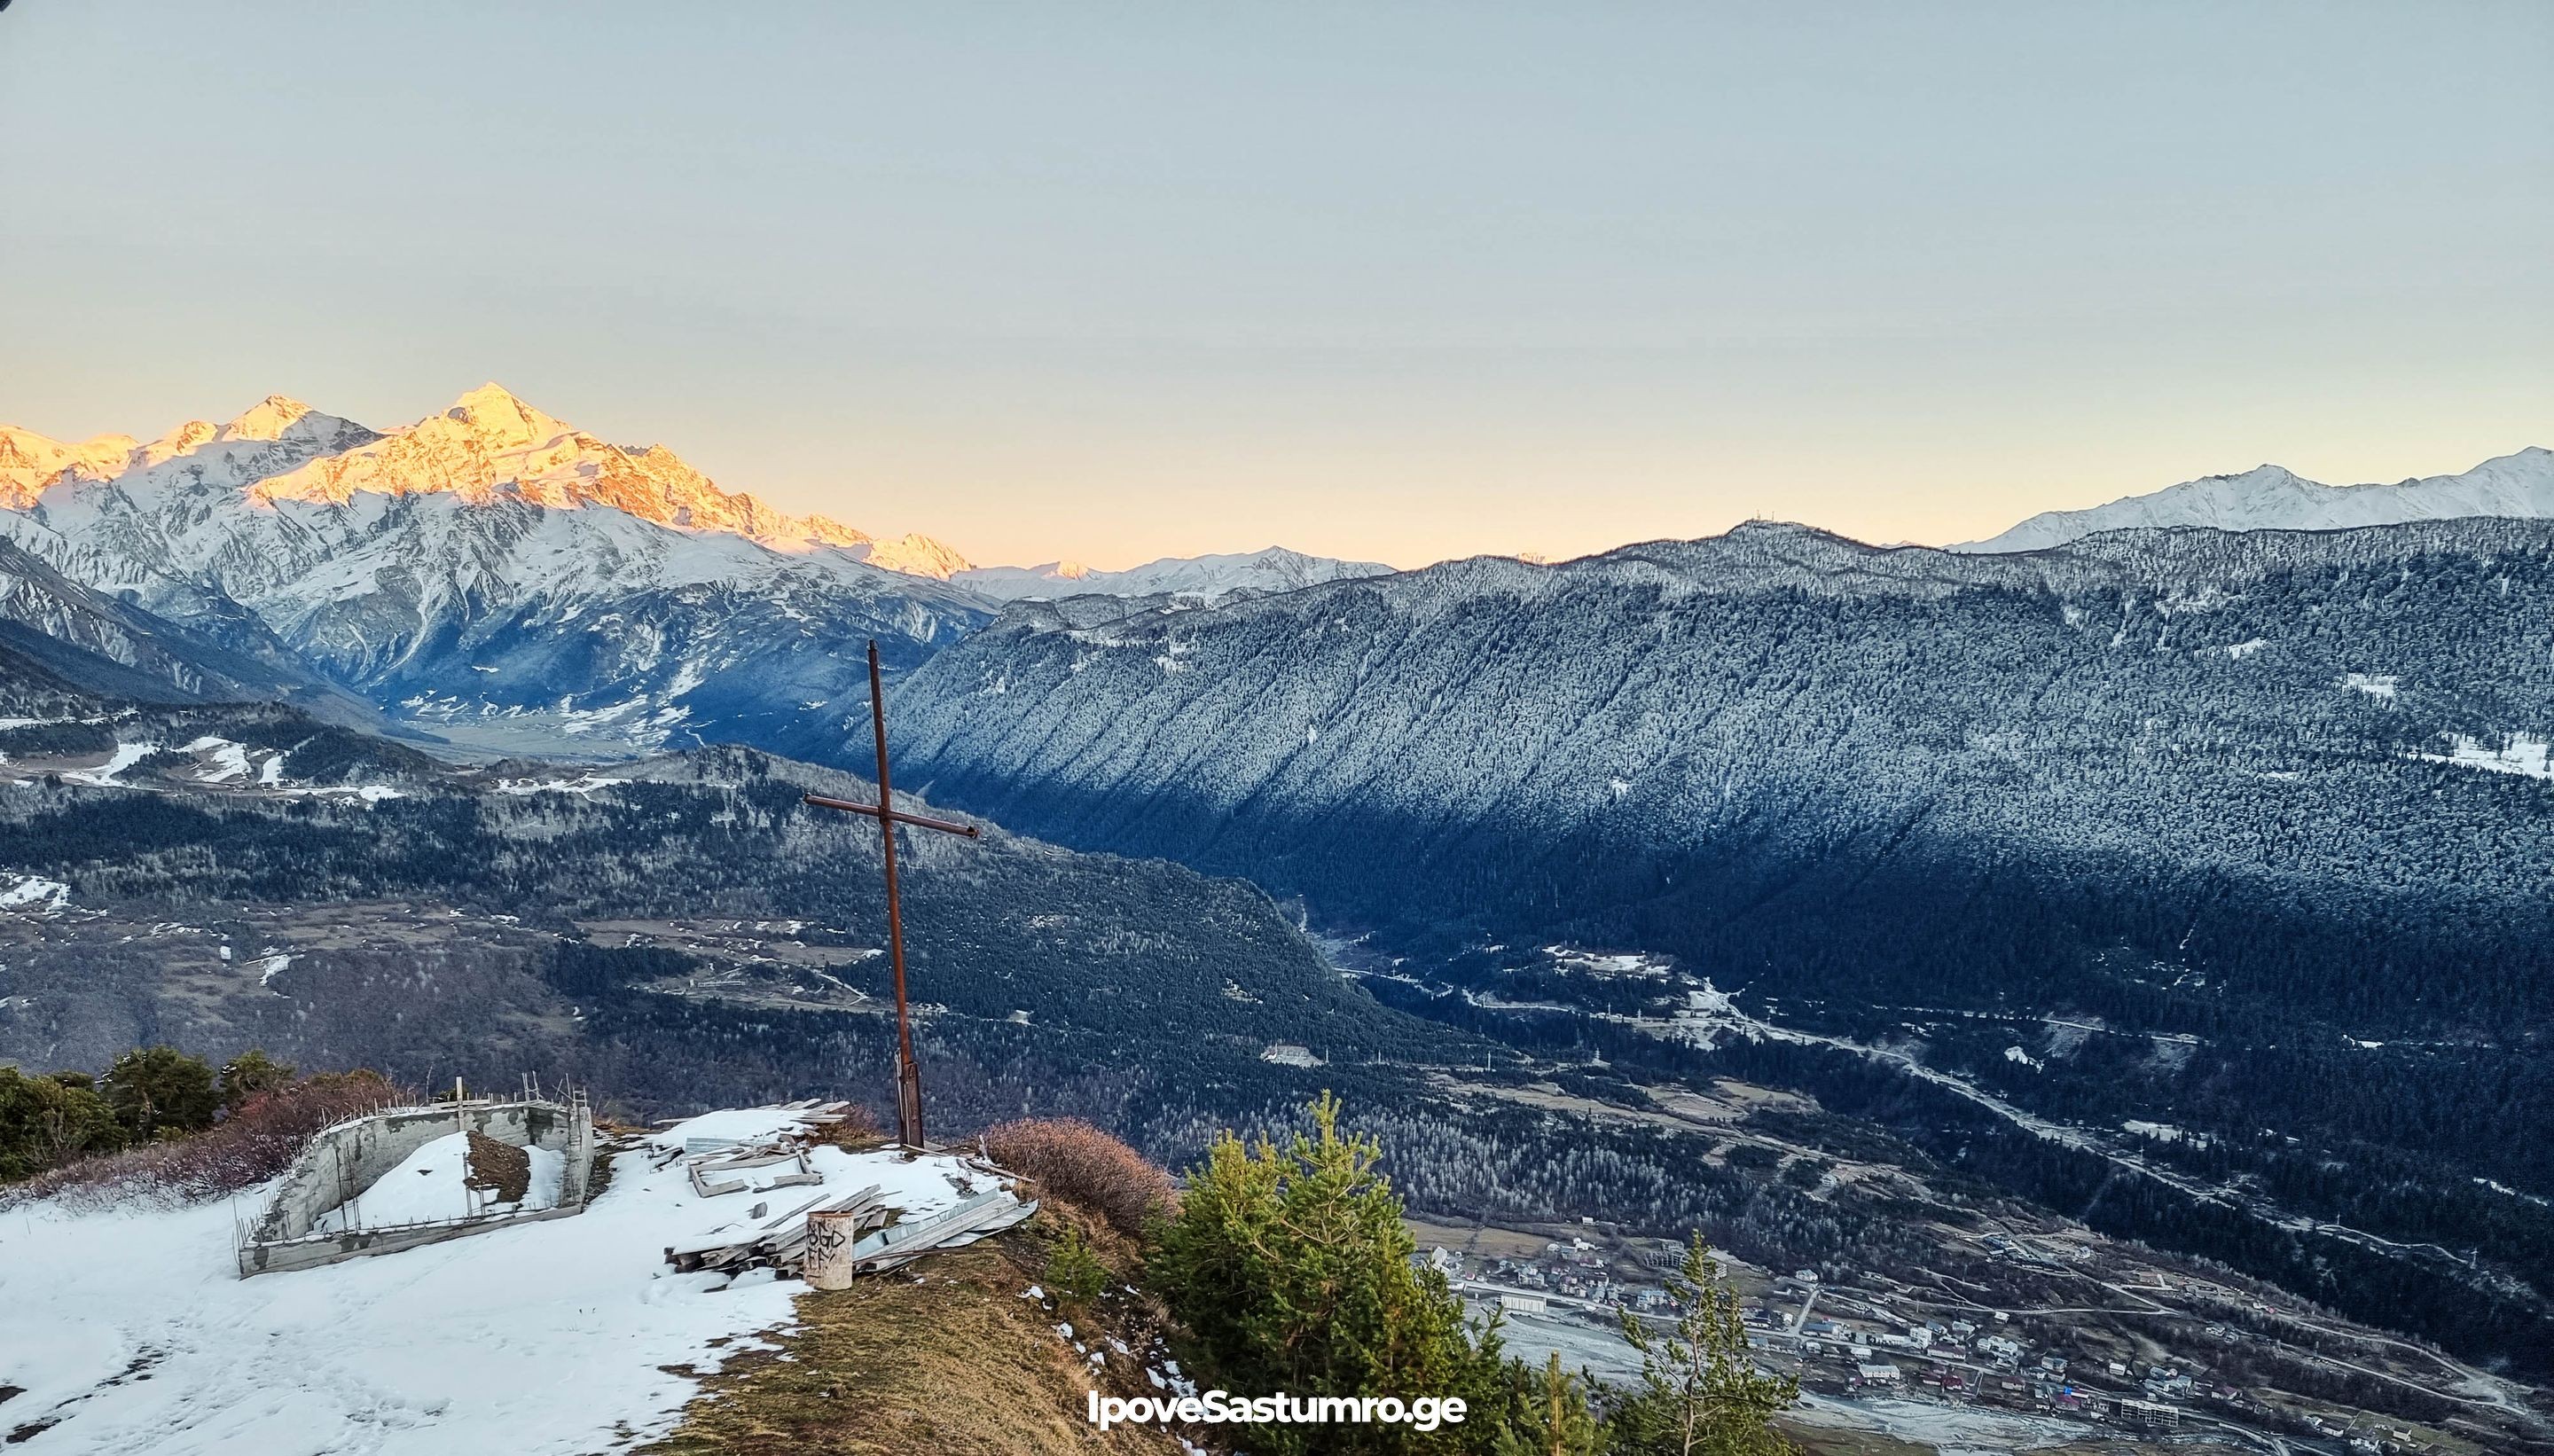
[
  {"x": 2375, "y": 685},
  {"x": 430, "y": 1187},
  {"x": 541, "y": 1339},
  {"x": 2016, "y": 1054},
  {"x": 2241, "y": 650},
  {"x": 230, "y": 760},
  {"x": 368, "y": 793},
  {"x": 29, "y": 893},
  {"x": 585, "y": 784},
  {"x": 2524, "y": 755},
  {"x": 104, "y": 775}
]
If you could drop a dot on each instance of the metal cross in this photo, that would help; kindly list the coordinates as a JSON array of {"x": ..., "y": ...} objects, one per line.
[{"x": 909, "y": 1076}]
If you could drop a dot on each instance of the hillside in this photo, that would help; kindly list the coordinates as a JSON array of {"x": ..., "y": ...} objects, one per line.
[
  {"x": 680, "y": 928},
  {"x": 2189, "y": 830}
]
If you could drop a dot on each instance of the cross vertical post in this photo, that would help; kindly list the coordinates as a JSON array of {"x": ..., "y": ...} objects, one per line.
[{"x": 908, "y": 1073}]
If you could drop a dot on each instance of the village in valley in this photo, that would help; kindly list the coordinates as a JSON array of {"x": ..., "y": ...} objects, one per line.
[{"x": 1908, "y": 1370}]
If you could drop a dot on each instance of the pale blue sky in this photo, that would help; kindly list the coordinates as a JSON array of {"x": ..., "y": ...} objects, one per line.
[{"x": 1121, "y": 280}]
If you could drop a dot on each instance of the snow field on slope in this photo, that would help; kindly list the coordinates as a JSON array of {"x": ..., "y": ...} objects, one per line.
[{"x": 539, "y": 1338}]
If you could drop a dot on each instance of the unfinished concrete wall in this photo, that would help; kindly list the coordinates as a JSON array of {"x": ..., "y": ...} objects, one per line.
[
  {"x": 344, "y": 1161},
  {"x": 310, "y": 1253}
]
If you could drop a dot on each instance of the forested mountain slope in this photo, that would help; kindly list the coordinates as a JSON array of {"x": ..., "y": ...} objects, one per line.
[
  {"x": 2243, "y": 837},
  {"x": 680, "y": 928},
  {"x": 2181, "y": 736}
]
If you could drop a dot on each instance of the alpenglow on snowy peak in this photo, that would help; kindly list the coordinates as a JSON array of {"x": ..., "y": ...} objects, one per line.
[
  {"x": 2268, "y": 497},
  {"x": 491, "y": 442},
  {"x": 486, "y": 566}
]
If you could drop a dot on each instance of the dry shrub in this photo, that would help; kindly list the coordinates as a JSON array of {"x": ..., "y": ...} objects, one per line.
[
  {"x": 257, "y": 1141},
  {"x": 1078, "y": 1163},
  {"x": 497, "y": 1168},
  {"x": 858, "y": 1130}
]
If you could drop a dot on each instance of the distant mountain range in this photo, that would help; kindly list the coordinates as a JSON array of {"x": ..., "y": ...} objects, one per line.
[
  {"x": 2268, "y": 497},
  {"x": 1273, "y": 570},
  {"x": 493, "y": 573}
]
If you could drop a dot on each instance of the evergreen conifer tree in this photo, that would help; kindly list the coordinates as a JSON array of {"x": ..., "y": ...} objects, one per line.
[
  {"x": 1291, "y": 1268},
  {"x": 1700, "y": 1393}
]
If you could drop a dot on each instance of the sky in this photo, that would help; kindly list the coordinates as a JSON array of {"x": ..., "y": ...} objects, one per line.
[{"x": 1122, "y": 281}]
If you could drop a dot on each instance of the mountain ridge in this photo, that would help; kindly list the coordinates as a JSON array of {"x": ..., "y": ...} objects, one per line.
[{"x": 2272, "y": 497}]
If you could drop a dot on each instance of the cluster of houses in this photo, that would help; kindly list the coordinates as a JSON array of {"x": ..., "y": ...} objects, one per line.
[
  {"x": 1959, "y": 1360},
  {"x": 1571, "y": 1272}
]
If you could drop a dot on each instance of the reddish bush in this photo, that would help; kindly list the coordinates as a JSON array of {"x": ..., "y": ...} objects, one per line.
[
  {"x": 1078, "y": 1163},
  {"x": 258, "y": 1140}
]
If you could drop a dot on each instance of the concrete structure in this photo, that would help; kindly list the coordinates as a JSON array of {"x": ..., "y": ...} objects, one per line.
[
  {"x": 831, "y": 1236},
  {"x": 344, "y": 1161}
]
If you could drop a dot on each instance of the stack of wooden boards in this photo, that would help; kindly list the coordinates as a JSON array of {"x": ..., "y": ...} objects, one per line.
[
  {"x": 884, "y": 1236},
  {"x": 778, "y": 1243}
]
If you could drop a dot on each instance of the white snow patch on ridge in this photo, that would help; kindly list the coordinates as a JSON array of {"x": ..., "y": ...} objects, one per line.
[
  {"x": 29, "y": 893},
  {"x": 537, "y": 1338},
  {"x": 2522, "y": 755},
  {"x": 585, "y": 784},
  {"x": 104, "y": 775}
]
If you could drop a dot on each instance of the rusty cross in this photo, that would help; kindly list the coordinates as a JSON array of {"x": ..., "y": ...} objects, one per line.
[{"x": 908, "y": 1076}]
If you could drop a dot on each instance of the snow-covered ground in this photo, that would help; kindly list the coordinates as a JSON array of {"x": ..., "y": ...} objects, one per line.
[
  {"x": 31, "y": 894},
  {"x": 104, "y": 775},
  {"x": 2520, "y": 753},
  {"x": 132, "y": 1328},
  {"x": 430, "y": 1186}
]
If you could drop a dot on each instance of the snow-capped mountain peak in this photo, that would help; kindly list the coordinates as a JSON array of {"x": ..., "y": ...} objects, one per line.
[
  {"x": 266, "y": 420},
  {"x": 488, "y": 561},
  {"x": 490, "y": 443},
  {"x": 29, "y": 461},
  {"x": 2269, "y": 497},
  {"x": 492, "y": 412}
]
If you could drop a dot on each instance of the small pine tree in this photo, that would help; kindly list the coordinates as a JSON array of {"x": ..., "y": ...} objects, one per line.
[
  {"x": 1700, "y": 1393},
  {"x": 1073, "y": 1272},
  {"x": 1291, "y": 1269},
  {"x": 1549, "y": 1416}
]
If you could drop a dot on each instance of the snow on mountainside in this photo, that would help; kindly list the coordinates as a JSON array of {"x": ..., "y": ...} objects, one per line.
[
  {"x": 493, "y": 563},
  {"x": 1273, "y": 570},
  {"x": 2268, "y": 497},
  {"x": 57, "y": 635}
]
